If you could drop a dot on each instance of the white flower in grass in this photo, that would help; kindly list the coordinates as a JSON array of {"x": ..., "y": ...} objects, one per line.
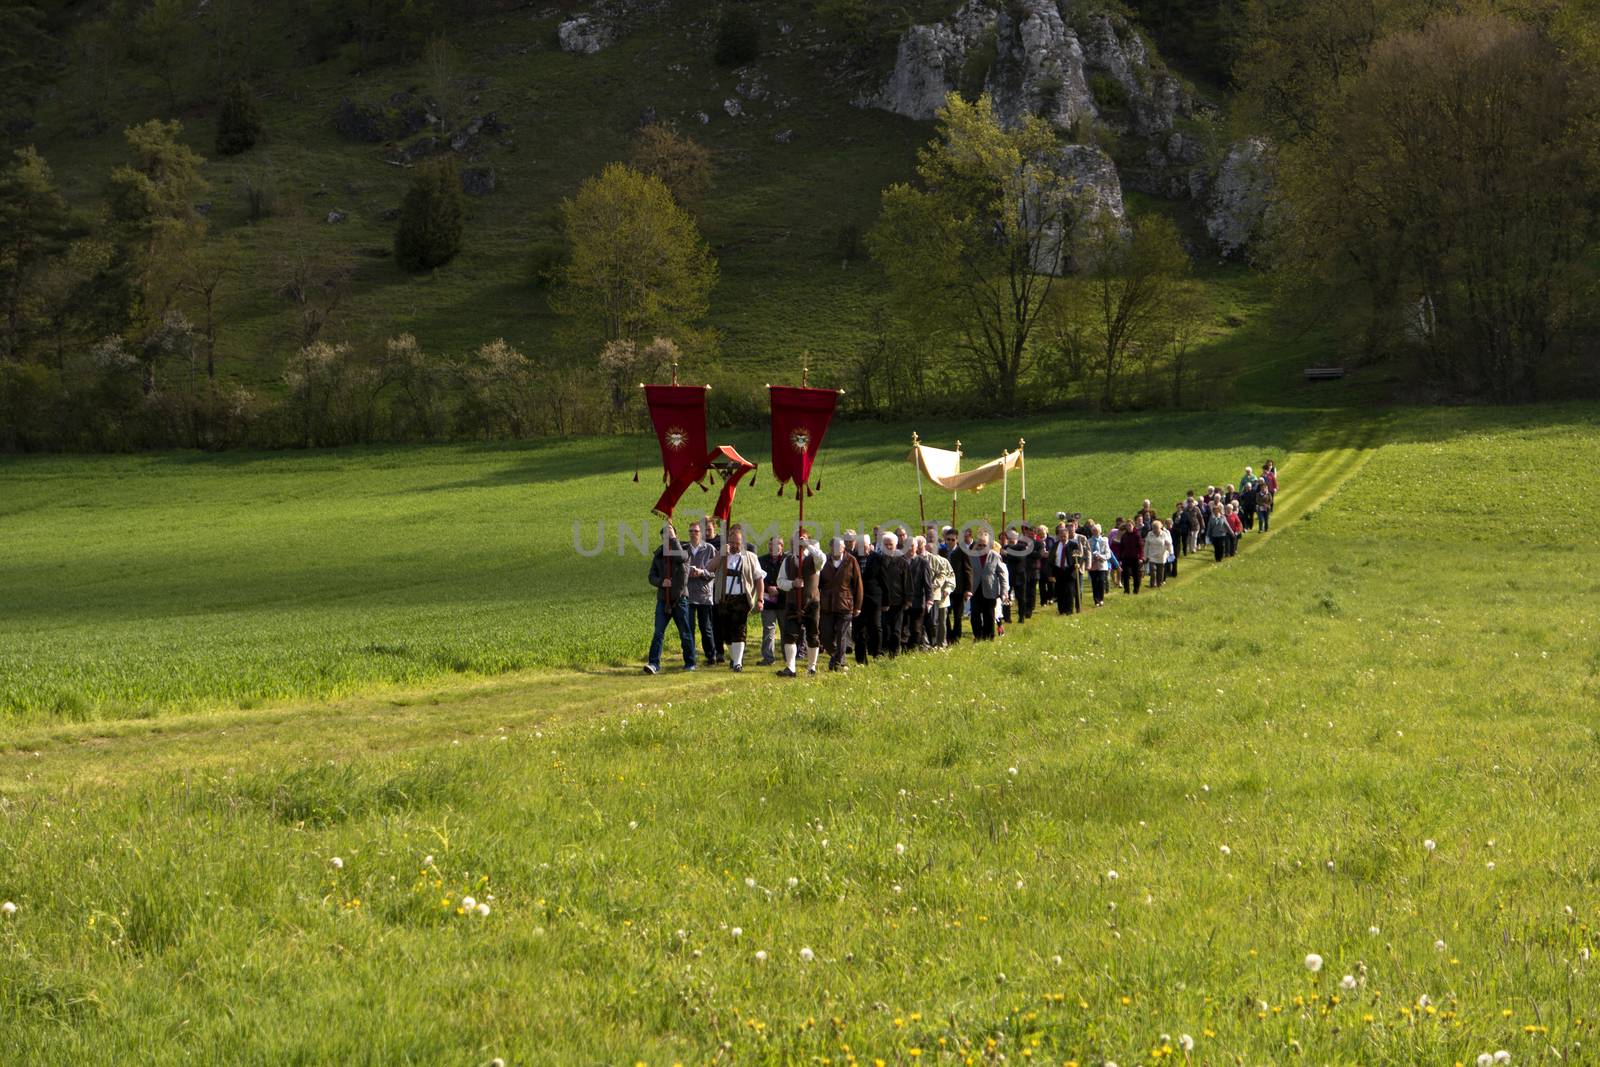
[
  {"x": 1423, "y": 1001},
  {"x": 1186, "y": 1042},
  {"x": 1374, "y": 931},
  {"x": 896, "y": 887},
  {"x": 427, "y": 861},
  {"x": 1485, "y": 1059},
  {"x": 1430, "y": 844},
  {"x": 1439, "y": 946},
  {"x": 1329, "y": 865},
  {"x": 1011, "y": 771},
  {"x": 336, "y": 863},
  {"x": 1112, "y": 876},
  {"x": 1348, "y": 982},
  {"x": 483, "y": 909},
  {"x": 761, "y": 955},
  {"x": 900, "y": 848},
  {"x": 1226, "y": 851},
  {"x": 1502, "y": 1056},
  {"x": 793, "y": 881},
  {"x": 632, "y": 825},
  {"x": 469, "y": 903},
  {"x": 1313, "y": 962},
  {"x": 737, "y": 931},
  {"x": 681, "y": 934},
  {"x": 1056, "y": 960},
  {"x": 8, "y": 909},
  {"x": 749, "y": 883},
  {"x": 1489, "y": 865},
  {"x": 807, "y": 955}
]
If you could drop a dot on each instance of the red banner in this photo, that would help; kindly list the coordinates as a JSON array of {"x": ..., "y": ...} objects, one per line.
[
  {"x": 726, "y": 461},
  {"x": 800, "y": 418},
  {"x": 679, "y": 415}
]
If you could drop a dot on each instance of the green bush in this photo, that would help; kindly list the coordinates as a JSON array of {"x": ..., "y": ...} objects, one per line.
[
  {"x": 238, "y": 120},
  {"x": 429, "y": 233}
]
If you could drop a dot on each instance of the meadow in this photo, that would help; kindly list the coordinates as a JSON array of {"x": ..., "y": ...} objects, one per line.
[
  {"x": 136, "y": 585},
  {"x": 1331, "y": 801}
]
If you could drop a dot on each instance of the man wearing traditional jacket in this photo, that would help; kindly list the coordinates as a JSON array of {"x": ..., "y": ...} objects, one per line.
[
  {"x": 803, "y": 615},
  {"x": 866, "y": 625},
  {"x": 737, "y": 586}
]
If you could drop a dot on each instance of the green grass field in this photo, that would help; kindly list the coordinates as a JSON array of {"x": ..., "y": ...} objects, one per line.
[{"x": 1260, "y": 753}]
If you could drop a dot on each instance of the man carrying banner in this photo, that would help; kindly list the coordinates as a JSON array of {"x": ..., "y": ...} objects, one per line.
[
  {"x": 802, "y": 617},
  {"x": 669, "y": 574}
]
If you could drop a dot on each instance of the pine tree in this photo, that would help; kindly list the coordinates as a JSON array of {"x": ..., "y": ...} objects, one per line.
[
  {"x": 238, "y": 120},
  {"x": 431, "y": 215}
]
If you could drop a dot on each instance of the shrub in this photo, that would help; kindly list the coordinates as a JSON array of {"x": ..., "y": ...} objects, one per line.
[
  {"x": 429, "y": 233},
  {"x": 238, "y": 120}
]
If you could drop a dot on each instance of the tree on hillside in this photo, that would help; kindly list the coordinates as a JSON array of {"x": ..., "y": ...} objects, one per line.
[
  {"x": 974, "y": 249},
  {"x": 161, "y": 35},
  {"x": 431, "y": 217},
  {"x": 1129, "y": 283},
  {"x": 682, "y": 163},
  {"x": 30, "y": 59},
  {"x": 636, "y": 262},
  {"x": 35, "y": 225},
  {"x": 238, "y": 120},
  {"x": 1448, "y": 199},
  {"x": 156, "y": 227}
]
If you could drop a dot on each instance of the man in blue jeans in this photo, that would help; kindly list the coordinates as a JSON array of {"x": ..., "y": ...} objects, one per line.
[{"x": 669, "y": 575}]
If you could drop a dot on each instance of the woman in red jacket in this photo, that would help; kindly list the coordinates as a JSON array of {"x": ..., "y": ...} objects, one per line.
[
  {"x": 1235, "y": 524},
  {"x": 1130, "y": 553}
]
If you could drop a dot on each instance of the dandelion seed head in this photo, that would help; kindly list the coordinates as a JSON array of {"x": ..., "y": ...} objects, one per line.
[
  {"x": 483, "y": 909},
  {"x": 1112, "y": 876},
  {"x": 1186, "y": 1042},
  {"x": 761, "y": 955},
  {"x": 8, "y": 909},
  {"x": 469, "y": 903},
  {"x": 1348, "y": 982},
  {"x": 1502, "y": 1056},
  {"x": 807, "y": 955},
  {"x": 1439, "y": 946},
  {"x": 793, "y": 881},
  {"x": 1430, "y": 844},
  {"x": 1313, "y": 962},
  {"x": 1485, "y": 1059},
  {"x": 900, "y": 848},
  {"x": 737, "y": 931},
  {"x": 336, "y": 863}
]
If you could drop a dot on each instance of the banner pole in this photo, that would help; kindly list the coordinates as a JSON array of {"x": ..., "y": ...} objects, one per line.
[{"x": 916, "y": 457}]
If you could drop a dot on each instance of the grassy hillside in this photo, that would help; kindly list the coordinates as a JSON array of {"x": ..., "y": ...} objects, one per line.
[
  {"x": 1368, "y": 738},
  {"x": 773, "y": 217},
  {"x": 138, "y": 585}
]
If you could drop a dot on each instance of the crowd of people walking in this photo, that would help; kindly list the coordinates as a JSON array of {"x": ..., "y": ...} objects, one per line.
[{"x": 893, "y": 592}]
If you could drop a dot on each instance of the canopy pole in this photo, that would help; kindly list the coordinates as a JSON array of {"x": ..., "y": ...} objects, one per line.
[
  {"x": 1022, "y": 465},
  {"x": 1005, "y": 492},
  {"x": 953, "y": 493},
  {"x": 916, "y": 451}
]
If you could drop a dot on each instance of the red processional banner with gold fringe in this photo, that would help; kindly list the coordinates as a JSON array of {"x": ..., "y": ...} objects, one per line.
[
  {"x": 725, "y": 459},
  {"x": 678, "y": 413},
  {"x": 800, "y": 418}
]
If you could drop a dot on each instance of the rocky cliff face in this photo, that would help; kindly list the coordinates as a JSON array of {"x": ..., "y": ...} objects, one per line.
[{"x": 1078, "y": 70}]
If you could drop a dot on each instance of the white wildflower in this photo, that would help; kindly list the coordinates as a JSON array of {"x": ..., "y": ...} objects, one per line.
[
  {"x": 1313, "y": 962},
  {"x": 336, "y": 863},
  {"x": 483, "y": 909},
  {"x": 761, "y": 955},
  {"x": 807, "y": 955},
  {"x": 1348, "y": 982}
]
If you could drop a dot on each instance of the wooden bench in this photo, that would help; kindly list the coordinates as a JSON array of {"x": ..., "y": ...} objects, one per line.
[{"x": 1323, "y": 374}]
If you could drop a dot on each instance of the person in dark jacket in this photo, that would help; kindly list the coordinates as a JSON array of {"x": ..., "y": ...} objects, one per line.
[
  {"x": 1130, "y": 553},
  {"x": 1016, "y": 560},
  {"x": 840, "y": 592},
  {"x": 893, "y": 580},
  {"x": 669, "y": 575},
  {"x": 865, "y": 627},
  {"x": 1247, "y": 504},
  {"x": 772, "y": 603},
  {"x": 1071, "y": 556},
  {"x": 960, "y": 557},
  {"x": 919, "y": 595}
]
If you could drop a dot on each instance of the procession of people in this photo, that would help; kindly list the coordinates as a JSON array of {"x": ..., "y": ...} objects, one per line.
[{"x": 891, "y": 592}]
